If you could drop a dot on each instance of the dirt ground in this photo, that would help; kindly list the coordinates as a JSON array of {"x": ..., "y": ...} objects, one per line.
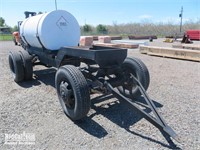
[{"x": 33, "y": 107}]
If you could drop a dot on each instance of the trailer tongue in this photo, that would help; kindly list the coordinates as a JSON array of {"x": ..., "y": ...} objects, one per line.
[
  {"x": 107, "y": 70},
  {"x": 157, "y": 120}
]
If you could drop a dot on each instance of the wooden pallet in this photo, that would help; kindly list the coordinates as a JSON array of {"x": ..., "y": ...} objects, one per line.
[
  {"x": 118, "y": 45},
  {"x": 133, "y": 37},
  {"x": 187, "y": 46},
  {"x": 95, "y": 38},
  {"x": 107, "y": 45},
  {"x": 171, "y": 52}
]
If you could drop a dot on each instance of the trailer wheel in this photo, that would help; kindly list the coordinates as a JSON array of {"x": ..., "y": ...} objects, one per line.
[
  {"x": 16, "y": 66},
  {"x": 73, "y": 92},
  {"x": 27, "y": 64},
  {"x": 144, "y": 70},
  {"x": 133, "y": 66}
]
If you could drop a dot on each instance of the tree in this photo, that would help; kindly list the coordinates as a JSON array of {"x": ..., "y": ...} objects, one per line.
[
  {"x": 40, "y": 12},
  {"x": 15, "y": 28},
  {"x": 102, "y": 29},
  {"x": 87, "y": 28},
  {"x": 2, "y": 22}
]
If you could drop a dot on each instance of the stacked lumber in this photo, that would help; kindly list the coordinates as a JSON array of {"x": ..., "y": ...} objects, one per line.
[
  {"x": 129, "y": 46},
  {"x": 86, "y": 41},
  {"x": 108, "y": 45},
  {"x": 171, "y": 52},
  {"x": 174, "y": 36},
  {"x": 95, "y": 38},
  {"x": 119, "y": 45},
  {"x": 104, "y": 39},
  {"x": 116, "y": 37},
  {"x": 131, "y": 37},
  {"x": 186, "y": 46}
]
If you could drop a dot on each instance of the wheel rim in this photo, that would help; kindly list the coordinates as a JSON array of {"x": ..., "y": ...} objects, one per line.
[
  {"x": 129, "y": 84},
  {"x": 67, "y": 95}
]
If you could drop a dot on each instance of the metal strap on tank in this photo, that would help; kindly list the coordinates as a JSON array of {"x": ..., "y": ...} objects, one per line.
[
  {"x": 25, "y": 40},
  {"x": 37, "y": 35}
]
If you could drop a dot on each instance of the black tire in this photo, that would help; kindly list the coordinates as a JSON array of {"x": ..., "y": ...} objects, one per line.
[
  {"x": 144, "y": 70},
  {"x": 16, "y": 66},
  {"x": 27, "y": 64},
  {"x": 73, "y": 92},
  {"x": 137, "y": 68}
]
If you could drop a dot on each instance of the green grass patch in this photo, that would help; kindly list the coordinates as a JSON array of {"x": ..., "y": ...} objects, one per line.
[{"x": 6, "y": 37}]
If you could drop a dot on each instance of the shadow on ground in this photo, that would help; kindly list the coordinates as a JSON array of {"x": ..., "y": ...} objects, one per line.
[
  {"x": 121, "y": 113},
  {"x": 46, "y": 76}
]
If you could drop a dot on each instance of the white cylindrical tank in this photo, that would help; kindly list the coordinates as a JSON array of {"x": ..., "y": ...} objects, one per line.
[{"x": 51, "y": 30}]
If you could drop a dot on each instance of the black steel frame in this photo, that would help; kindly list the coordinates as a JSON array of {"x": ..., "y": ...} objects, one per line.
[
  {"x": 157, "y": 120},
  {"x": 107, "y": 62},
  {"x": 109, "y": 85}
]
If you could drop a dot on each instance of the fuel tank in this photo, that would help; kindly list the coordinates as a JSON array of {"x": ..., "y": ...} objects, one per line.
[{"x": 51, "y": 30}]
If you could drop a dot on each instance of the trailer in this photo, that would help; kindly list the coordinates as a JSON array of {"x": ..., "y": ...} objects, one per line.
[{"x": 83, "y": 70}]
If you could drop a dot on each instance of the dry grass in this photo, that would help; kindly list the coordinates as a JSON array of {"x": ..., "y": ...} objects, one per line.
[{"x": 159, "y": 29}]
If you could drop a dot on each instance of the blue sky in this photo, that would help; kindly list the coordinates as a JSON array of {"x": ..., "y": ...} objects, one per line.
[{"x": 107, "y": 12}]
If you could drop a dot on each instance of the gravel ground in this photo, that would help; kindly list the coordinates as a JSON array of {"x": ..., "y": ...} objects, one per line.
[{"x": 33, "y": 107}]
